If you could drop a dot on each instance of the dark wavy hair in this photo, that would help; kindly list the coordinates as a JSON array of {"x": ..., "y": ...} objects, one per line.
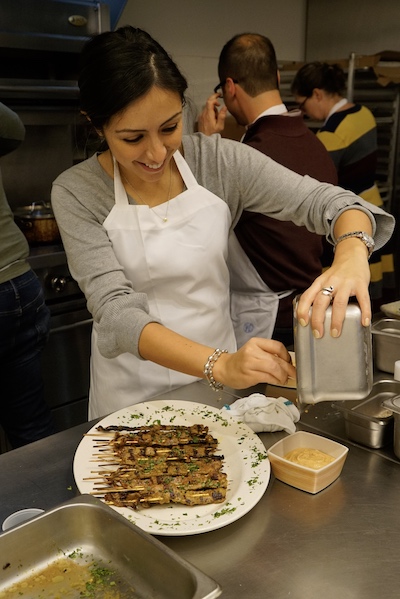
[
  {"x": 118, "y": 67},
  {"x": 319, "y": 75}
]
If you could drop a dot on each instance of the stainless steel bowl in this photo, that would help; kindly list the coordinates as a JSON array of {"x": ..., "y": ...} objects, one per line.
[
  {"x": 386, "y": 343},
  {"x": 369, "y": 422}
]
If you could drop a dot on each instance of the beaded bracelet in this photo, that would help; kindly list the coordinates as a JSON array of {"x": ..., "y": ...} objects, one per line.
[{"x": 208, "y": 369}]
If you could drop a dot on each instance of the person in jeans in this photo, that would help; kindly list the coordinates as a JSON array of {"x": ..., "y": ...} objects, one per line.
[{"x": 24, "y": 319}]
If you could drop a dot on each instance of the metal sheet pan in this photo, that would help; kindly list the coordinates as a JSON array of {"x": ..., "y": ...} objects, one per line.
[{"x": 142, "y": 566}]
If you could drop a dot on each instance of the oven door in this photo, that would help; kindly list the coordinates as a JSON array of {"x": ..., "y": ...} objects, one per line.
[{"x": 66, "y": 364}]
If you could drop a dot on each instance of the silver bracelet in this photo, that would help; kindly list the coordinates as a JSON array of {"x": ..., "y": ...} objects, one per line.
[
  {"x": 362, "y": 236},
  {"x": 208, "y": 369}
]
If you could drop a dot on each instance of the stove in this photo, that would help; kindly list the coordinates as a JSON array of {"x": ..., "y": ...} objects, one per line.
[{"x": 66, "y": 357}]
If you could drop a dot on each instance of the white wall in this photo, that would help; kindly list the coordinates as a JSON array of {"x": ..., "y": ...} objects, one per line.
[
  {"x": 193, "y": 32},
  {"x": 360, "y": 26}
]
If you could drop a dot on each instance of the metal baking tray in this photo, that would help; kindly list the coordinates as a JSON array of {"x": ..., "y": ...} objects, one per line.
[
  {"x": 386, "y": 343},
  {"x": 332, "y": 369},
  {"x": 369, "y": 422},
  {"x": 92, "y": 532}
]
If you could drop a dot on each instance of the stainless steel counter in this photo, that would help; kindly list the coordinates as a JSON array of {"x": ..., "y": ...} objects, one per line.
[{"x": 341, "y": 543}]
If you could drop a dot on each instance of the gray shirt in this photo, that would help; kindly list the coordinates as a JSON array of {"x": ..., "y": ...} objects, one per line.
[
  {"x": 83, "y": 196},
  {"x": 14, "y": 247}
]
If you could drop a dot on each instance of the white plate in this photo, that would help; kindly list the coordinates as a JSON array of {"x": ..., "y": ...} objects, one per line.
[
  {"x": 245, "y": 463},
  {"x": 392, "y": 310}
]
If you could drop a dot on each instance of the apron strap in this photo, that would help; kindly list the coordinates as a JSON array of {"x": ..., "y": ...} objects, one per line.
[
  {"x": 121, "y": 197},
  {"x": 186, "y": 173}
]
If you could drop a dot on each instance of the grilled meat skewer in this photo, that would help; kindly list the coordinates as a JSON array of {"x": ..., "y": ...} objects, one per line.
[
  {"x": 172, "y": 452},
  {"x": 163, "y": 438},
  {"x": 195, "y": 429},
  {"x": 157, "y": 434},
  {"x": 161, "y": 464},
  {"x": 184, "y": 497},
  {"x": 191, "y": 482},
  {"x": 178, "y": 468},
  {"x": 169, "y": 453}
]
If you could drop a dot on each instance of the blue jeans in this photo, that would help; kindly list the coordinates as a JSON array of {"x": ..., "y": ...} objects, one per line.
[{"x": 24, "y": 328}]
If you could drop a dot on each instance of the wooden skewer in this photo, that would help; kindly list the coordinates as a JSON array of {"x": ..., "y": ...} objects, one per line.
[
  {"x": 105, "y": 459},
  {"x": 105, "y": 454},
  {"x": 129, "y": 504},
  {"x": 104, "y": 473},
  {"x": 142, "y": 499},
  {"x": 118, "y": 489},
  {"x": 111, "y": 433},
  {"x": 135, "y": 501},
  {"x": 107, "y": 463},
  {"x": 151, "y": 499}
]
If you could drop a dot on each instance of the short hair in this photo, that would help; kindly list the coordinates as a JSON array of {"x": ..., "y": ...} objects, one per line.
[
  {"x": 318, "y": 75},
  {"x": 250, "y": 59},
  {"x": 118, "y": 67}
]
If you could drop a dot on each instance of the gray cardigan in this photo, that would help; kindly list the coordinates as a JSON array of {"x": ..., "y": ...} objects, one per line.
[{"x": 244, "y": 178}]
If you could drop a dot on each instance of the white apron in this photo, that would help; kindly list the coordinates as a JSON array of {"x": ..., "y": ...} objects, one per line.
[
  {"x": 254, "y": 306},
  {"x": 181, "y": 266}
]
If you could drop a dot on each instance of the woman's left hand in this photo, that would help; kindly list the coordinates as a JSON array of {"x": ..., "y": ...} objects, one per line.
[{"x": 348, "y": 276}]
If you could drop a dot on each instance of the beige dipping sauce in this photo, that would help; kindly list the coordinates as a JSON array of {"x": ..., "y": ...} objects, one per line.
[{"x": 311, "y": 458}]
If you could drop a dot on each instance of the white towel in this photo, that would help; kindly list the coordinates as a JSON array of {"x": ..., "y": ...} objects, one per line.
[{"x": 265, "y": 414}]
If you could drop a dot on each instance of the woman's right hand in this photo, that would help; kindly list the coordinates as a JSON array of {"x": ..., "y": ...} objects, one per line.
[{"x": 257, "y": 361}]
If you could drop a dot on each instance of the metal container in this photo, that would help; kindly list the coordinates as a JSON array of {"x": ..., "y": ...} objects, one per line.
[
  {"x": 331, "y": 369},
  {"x": 386, "y": 343},
  {"x": 393, "y": 404},
  {"x": 89, "y": 530},
  {"x": 38, "y": 223},
  {"x": 369, "y": 422}
]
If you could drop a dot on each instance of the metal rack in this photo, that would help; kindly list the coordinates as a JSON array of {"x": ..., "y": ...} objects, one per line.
[
  {"x": 364, "y": 87},
  {"x": 384, "y": 102}
]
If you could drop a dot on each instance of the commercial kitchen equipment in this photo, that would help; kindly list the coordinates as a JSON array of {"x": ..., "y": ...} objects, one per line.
[
  {"x": 40, "y": 43},
  {"x": 341, "y": 542}
]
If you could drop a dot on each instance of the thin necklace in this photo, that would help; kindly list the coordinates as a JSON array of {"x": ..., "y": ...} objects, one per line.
[{"x": 165, "y": 217}]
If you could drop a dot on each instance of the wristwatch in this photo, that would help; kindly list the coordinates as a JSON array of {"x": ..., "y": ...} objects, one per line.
[{"x": 364, "y": 237}]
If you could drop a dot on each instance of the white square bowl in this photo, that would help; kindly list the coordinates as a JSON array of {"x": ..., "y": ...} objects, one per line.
[{"x": 302, "y": 477}]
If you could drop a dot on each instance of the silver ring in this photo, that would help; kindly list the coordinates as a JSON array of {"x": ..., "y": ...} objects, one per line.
[{"x": 327, "y": 291}]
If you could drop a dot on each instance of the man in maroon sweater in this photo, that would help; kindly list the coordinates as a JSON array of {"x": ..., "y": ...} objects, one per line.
[{"x": 285, "y": 256}]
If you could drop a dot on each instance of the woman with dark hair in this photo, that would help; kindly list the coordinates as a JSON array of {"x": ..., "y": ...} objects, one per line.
[
  {"x": 145, "y": 225},
  {"x": 350, "y": 136}
]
